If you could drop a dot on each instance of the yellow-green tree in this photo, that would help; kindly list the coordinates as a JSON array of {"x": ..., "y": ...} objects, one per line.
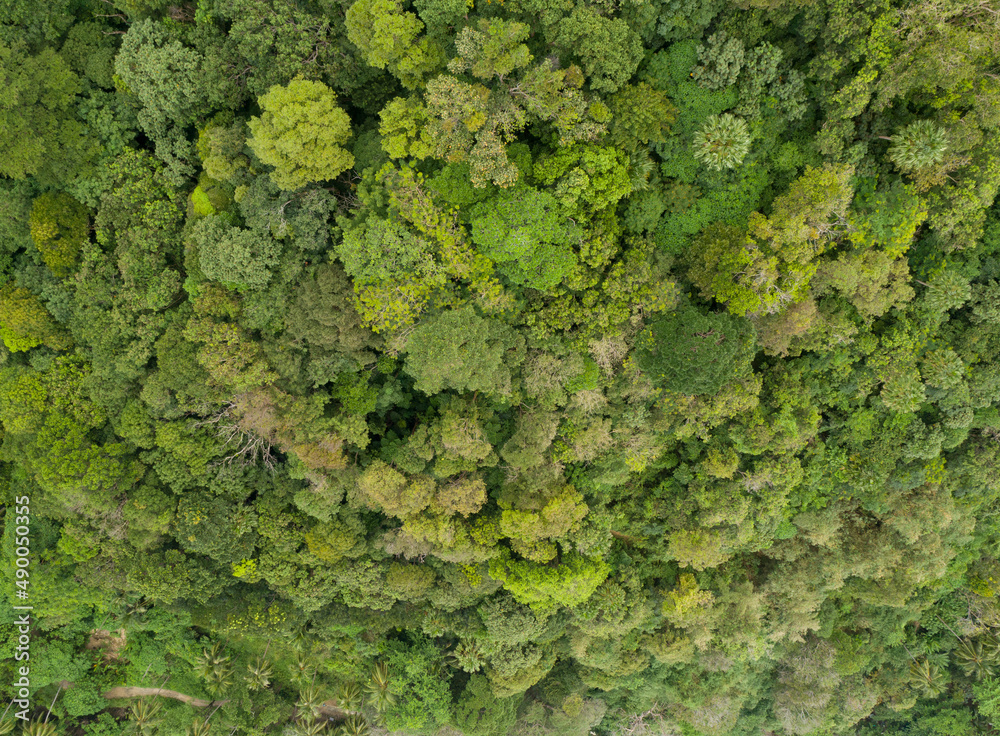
[
  {"x": 25, "y": 323},
  {"x": 58, "y": 229},
  {"x": 301, "y": 133}
]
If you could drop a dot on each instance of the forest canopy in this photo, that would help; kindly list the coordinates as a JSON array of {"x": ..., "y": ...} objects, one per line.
[{"x": 514, "y": 368}]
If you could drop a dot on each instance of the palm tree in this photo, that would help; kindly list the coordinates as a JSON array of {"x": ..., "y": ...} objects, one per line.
[
  {"x": 354, "y": 726},
  {"x": 927, "y": 678},
  {"x": 298, "y": 637},
  {"x": 214, "y": 667},
  {"x": 378, "y": 688},
  {"x": 144, "y": 716},
  {"x": 918, "y": 146},
  {"x": 259, "y": 674},
  {"x": 350, "y": 696},
  {"x": 310, "y": 728},
  {"x": 304, "y": 669},
  {"x": 211, "y": 661},
  {"x": 6, "y": 725},
  {"x": 310, "y": 701},
  {"x": 199, "y": 728},
  {"x": 219, "y": 681},
  {"x": 467, "y": 656},
  {"x": 40, "y": 728},
  {"x": 975, "y": 659},
  {"x": 991, "y": 646},
  {"x": 723, "y": 142}
]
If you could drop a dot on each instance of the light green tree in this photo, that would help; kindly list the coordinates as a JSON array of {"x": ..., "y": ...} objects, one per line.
[
  {"x": 388, "y": 38},
  {"x": 301, "y": 133}
]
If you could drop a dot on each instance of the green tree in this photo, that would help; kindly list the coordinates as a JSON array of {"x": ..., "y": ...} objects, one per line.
[
  {"x": 918, "y": 146},
  {"x": 478, "y": 712},
  {"x": 492, "y": 48},
  {"x": 721, "y": 60},
  {"x": 640, "y": 115},
  {"x": 524, "y": 232},
  {"x": 300, "y": 133},
  {"x": 405, "y": 129},
  {"x": 947, "y": 289},
  {"x": 25, "y": 323},
  {"x": 722, "y": 142},
  {"x": 585, "y": 178},
  {"x": 59, "y": 227},
  {"x": 163, "y": 74},
  {"x": 234, "y": 256},
  {"x": 693, "y": 352},
  {"x": 545, "y": 588},
  {"x": 388, "y": 38},
  {"x": 462, "y": 351},
  {"x": 763, "y": 273},
  {"x": 609, "y": 50},
  {"x": 38, "y": 131}
]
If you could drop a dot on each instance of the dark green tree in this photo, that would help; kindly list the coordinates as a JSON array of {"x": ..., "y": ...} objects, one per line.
[{"x": 693, "y": 352}]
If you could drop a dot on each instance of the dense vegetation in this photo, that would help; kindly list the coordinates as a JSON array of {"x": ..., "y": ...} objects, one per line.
[{"x": 529, "y": 367}]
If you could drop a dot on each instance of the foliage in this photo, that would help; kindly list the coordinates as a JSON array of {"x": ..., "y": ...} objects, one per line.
[
  {"x": 691, "y": 352},
  {"x": 918, "y": 146},
  {"x": 300, "y": 133},
  {"x": 722, "y": 142},
  {"x": 516, "y": 368},
  {"x": 59, "y": 228},
  {"x": 462, "y": 351}
]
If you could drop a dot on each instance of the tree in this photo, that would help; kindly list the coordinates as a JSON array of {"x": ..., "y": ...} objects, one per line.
[
  {"x": 524, "y": 232},
  {"x": 379, "y": 249},
  {"x": 59, "y": 227},
  {"x": 220, "y": 148},
  {"x": 734, "y": 270},
  {"x": 464, "y": 127},
  {"x": 763, "y": 273},
  {"x": 163, "y": 74},
  {"x": 234, "y": 256},
  {"x": 609, "y": 50},
  {"x": 493, "y": 48},
  {"x": 301, "y": 133},
  {"x": 462, "y": 351},
  {"x": 322, "y": 315},
  {"x": 640, "y": 115},
  {"x": 948, "y": 289},
  {"x": 146, "y": 716},
  {"x": 387, "y": 37},
  {"x": 721, "y": 60},
  {"x": 38, "y": 131},
  {"x": 692, "y": 352},
  {"x": 722, "y": 142},
  {"x": 166, "y": 79},
  {"x": 918, "y": 146},
  {"x": 25, "y": 323},
  {"x": 479, "y": 712},
  {"x": 546, "y": 588},
  {"x": 585, "y": 178},
  {"x": 405, "y": 129},
  {"x": 410, "y": 673}
]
